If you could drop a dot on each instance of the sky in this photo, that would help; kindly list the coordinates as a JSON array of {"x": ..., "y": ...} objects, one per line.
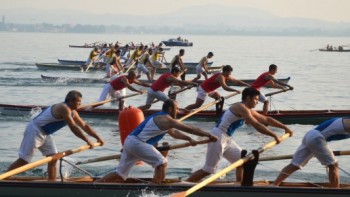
[{"x": 328, "y": 10}]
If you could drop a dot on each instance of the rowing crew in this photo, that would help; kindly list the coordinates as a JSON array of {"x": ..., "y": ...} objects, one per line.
[{"x": 140, "y": 143}]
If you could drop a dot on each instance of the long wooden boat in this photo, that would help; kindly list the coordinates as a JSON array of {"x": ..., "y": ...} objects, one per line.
[
  {"x": 80, "y": 62},
  {"x": 56, "y": 66},
  {"x": 74, "y": 62},
  {"x": 105, "y": 80},
  {"x": 85, "y": 187},
  {"x": 334, "y": 50},
  {"x": 312, "y": 117}
]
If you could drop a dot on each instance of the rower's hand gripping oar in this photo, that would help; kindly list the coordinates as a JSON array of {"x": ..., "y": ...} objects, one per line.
[
  {"x": 45, "y": 160},
  {"x": 96, "y": 104},
  {"x": 117, "y": 156},
  {"x": 227, "y": 169}
]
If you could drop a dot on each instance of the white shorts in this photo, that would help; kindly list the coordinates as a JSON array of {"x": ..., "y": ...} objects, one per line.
[
  {"x": 313, "y": 144},
  {"x": 151, "y": 95},
  {"x": 142, "y": 68},
  {"x": 134, "y": 149},
  {"x": 109, "y": 90},
  {"x": 35, "y": 138},
  {"x": 262, "y": 97},
  {"x": 158, "y": 64},
  {"x": 202, "y": 94},
  {"x": 199, "y": 69},
  {"x": 223, "y": 147}
]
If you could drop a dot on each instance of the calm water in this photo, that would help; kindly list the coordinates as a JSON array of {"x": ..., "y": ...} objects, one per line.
[{"x": 321, "y": 81}]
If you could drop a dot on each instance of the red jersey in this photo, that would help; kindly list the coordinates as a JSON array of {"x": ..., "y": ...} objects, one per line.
[
  {"x": 117, "y": 83},
  {"x": 161, "y": 83},
  {"x": 261, "y": 81},
  {"x": 210, "y": 84}
]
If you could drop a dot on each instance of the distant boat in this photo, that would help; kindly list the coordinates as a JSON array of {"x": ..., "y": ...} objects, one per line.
[
  {"x": 178, "y": 42},
  {"x": 337, "y": 50}
]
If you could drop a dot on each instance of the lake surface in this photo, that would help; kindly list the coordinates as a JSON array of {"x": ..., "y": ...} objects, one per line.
[{"x": 321, "y": 81}]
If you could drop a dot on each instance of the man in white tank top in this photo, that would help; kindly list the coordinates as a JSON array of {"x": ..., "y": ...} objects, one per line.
[
  {"x": 230, "y": 121},
  {"x": 141, "y": 142},
  {"x": 38, "y": 131},
  {"x": 315, "y": 143}
]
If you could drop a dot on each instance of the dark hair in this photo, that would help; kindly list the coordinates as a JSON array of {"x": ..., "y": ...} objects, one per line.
[
  {"x": 168, "y": 103},
  {"x": 272, "y": 67},
  {"x": 182, "y": 51},
  {"x": 227, "y": 68},
  {"x": 251, "y": 92},
  {"x": 210, "y": 54},
  {"x": 72, "y": 95},
  {"x": 175, "y": 69},
  {"x": 118, "y": 51},
  {"x": 131, "y": 73}
]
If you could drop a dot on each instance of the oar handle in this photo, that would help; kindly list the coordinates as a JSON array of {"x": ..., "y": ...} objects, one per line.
[
  {"x": 96, "y": 104},
  {"x": 105, "y": 158},
  {"x": 207, "y": 106},
  {"x": 45, "y": 160},
  {"x": 277, "y": 92},
  {"x": 183, "y": 145}
]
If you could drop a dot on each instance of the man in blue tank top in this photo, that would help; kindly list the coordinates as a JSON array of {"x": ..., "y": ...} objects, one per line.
[
  {"x": 315, "y": 143},
  {"x": 38, "y": 131},
  {"x": 140, "y": 144},
  {"x": 229, "y": 122}
]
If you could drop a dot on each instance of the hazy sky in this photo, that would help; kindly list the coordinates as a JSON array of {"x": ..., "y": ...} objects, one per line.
[{"x": 330, "y": 10}]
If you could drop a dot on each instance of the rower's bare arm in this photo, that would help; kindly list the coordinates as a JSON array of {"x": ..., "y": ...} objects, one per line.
[
  {"x": 66, "y": 114},
  {"x": 272, "y": 122},
  {"x": 242, "y": 83},
  {"x": 251, "y": 119},
  {"x": 141, "y": 83},
  {"x": 224, "y": 85},
  {"x": 191, "y": 130},
  {"x": 87, "y": 128}
]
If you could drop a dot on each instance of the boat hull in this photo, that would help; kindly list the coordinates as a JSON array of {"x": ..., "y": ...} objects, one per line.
[
  {"x": 326, "y": 50},
  {"x": 312, "y": 117},
  {"x": 228, "y": 189},
  {"x": 56, "y": 66},
  {"x": 96, "y": 80},
  {"x": 177, "y": 44}
]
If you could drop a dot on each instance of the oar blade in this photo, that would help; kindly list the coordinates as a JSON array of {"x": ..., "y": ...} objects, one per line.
[{"x": 179, "y": 194}]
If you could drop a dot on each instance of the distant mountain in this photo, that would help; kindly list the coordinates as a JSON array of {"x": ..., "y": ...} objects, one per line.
[{"x": 191, "y": 17}]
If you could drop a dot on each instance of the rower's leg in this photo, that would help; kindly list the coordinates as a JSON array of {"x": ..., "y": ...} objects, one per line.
[
  {"x": 333, "y": 175},
  {"x": 266, "y": 107},
  {"x": 159, "y": 173},
  {"x": 199, "y": 102},
  {"x": 52, "y": 170},
  {"x": 18, "y": 163},
  {"x": 286, "y": 171},
  {"x": 197, "y": 176}
]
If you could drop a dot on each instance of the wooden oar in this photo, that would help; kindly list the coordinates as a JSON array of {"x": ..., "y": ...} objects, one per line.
[
  {"x": 207, "y": 106},
  {"x": 176, "y": 92},
  {"x": 227, "y": 169},
  {"x": 281, "y": 157},
  {"x": 161, "y": 148},
  {"x": 133, "y": 63},
  {"x": 277, "y": 92},
  {"x": 95, "y": 104},
  {"x": 45, "y": 160}
]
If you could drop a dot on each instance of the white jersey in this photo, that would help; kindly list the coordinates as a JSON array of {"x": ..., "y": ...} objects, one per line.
[
  {"x": 47, "y": 122},
  {"x": 148, "y": 131},
  {"x": 333, "y": 129},
  {"x": 229, "y": 122}
]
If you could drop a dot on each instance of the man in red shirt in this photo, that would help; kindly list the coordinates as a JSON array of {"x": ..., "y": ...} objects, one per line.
[
  {"x": 116, "y": 87},
  {"x": 209, "y": 86},
  {"x": 265, "y": 79},
  {"x": 156, "y": 91}
]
